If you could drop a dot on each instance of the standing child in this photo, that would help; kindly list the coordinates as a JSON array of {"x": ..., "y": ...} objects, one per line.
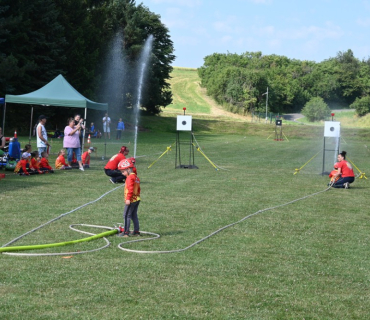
[
  {"x": 86, "y": 157},
  {"x": 44, "y": 163},
  {"x": 60, "y": 161},
  {"x": 132, "y": 197},
  {"x": 120, "y": 128}
]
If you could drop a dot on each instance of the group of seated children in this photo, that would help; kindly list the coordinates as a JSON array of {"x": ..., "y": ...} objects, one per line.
[{"x": 31, "y": 163}]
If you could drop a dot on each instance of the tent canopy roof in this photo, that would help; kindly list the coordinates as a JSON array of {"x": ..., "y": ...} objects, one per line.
[{"x": 57, "y": 92}]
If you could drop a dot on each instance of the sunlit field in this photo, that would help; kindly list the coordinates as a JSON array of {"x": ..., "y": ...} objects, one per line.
[{"x": 304, "y": 260}]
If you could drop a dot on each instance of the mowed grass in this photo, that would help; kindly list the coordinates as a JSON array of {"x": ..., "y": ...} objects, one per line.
[
  {"x": 187, "y": 93},
  {"x": 306, "y": 260}
]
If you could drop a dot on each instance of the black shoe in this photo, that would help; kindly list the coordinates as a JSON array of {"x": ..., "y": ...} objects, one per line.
[
  {"x": 112, "y": 181},
  {"x": 135, "y": 233}
]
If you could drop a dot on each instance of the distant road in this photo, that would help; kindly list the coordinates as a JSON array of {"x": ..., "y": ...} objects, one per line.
[
  {"x": 296, "y": 116},
  {"x": 292, "y": 116}
]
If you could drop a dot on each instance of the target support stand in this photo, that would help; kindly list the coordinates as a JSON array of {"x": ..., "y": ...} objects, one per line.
[
  {"x": 331, "y": 131},
  {"x": 278, "y": 130},
  {"x": 184, "y": 123}
]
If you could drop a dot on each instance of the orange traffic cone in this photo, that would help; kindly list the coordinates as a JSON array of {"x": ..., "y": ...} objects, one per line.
[
  {"x": 88, "y": 139},
  {"x": 15, "y": 134}
]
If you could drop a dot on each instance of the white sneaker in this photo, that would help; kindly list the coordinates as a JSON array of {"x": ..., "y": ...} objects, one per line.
[
  {"x": 82, "y": 169},
  {"x": 346, "y": 185}
]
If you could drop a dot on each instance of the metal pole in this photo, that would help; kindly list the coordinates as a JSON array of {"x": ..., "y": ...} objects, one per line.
[
  {"x": 4, "y": 119},
  {"x": 267, "y": 99},
  {"x": 29, "y": 139},
  {"x": 83, "y": 133}
]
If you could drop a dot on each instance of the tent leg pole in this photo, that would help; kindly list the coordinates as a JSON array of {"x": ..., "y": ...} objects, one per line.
[
  {"x": 83, "y": 133},
  {"x": 4, "y": 118},
  {"x": 29, "y": 139}
]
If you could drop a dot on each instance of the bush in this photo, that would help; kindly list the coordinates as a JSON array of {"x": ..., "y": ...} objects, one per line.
[
  {"x": 316, "y": 109},
  {"x": 361, "y": 105}
]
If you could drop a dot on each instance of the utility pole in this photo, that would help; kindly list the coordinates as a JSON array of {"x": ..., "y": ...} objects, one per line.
[{"x": 267, "y": 99}]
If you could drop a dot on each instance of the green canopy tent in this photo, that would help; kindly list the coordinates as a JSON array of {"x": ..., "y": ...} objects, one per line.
[{"x": 59, "y": 93}]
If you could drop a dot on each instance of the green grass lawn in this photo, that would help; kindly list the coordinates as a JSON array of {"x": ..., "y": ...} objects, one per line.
[
  {"x": 306, "y": 260},
  {"x": 187, "y": 93}
]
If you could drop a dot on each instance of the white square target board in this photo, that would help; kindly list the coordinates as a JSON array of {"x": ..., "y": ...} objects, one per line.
[
  {"x": 332, "y": 129},
  {"x": 184, "y": 123}
]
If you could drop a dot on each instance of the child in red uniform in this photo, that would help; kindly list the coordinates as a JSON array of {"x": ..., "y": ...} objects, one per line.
[
  {"x": 35, "y": 165},
  {"x": 60, "y": 161},
  {"x": 44, "y": 163},
  {"x": 333, "y": 175},
  {"x": 86, "y": 157},
  {"x": 132, "y": 197},
  {"x": 23, "y": 165},
  {"x": 345, "y": 170}
]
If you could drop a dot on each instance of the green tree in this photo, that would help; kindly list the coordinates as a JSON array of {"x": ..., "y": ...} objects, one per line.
[
  {"x": 361, "y": 105},
  {"x": 316, "y": 109},
  {"x": 137, "y": 23}
]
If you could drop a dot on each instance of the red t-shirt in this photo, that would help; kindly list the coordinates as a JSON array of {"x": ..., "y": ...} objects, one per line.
[
  {"x": 44, "y": 163},
  {"x": 132, "y": 188},
  {"x": 60, "y": 162},
  {"x": 346, "y": 169},
  {"x": 86, "y": 158},
  {"x": 114, "y": 161}
]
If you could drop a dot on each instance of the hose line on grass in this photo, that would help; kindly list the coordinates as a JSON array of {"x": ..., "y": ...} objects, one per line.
[
  {"x": 59, "y": 217},
  {"x": 219, "y": 230},
  {"x": 121, "y": 245}
]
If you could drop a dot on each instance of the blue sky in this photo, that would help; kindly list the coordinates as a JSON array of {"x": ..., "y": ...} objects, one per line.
[{"x": 298, "y": 29}]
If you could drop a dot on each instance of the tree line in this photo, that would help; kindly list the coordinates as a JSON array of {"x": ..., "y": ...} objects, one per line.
[
  {"x": 40, "y": 39},
  {"x": 239, "y": 82}
]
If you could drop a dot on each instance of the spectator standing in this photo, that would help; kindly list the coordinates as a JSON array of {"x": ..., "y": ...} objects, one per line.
[
  {"x": 106, "y": 126},
  {"x": 120, "y": 128},
  {"x": 42, "y": 135},
  {"x": 71, "y": 142}
]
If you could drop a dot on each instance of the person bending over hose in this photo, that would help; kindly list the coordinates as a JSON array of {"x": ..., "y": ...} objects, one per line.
[
  {"x": 345, "y": 172},
  {"x": 111, "y": 168}
]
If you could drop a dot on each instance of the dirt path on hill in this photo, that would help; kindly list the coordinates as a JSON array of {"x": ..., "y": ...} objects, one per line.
[{"x": 216, "y": 110}]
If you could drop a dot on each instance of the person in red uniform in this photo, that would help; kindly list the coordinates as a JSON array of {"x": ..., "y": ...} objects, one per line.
[
  {"x": 44, "y": 163},
  {"x": 60, "y": 161},
  {"x": 345, "y": 172},
  {"x": 132, "y": 198},
  {"x": 35, "y": 166},
  {"x": 86, "y": 157},
  {"x": 23, "y": 165},
  {"x": 111, "y": 168}
]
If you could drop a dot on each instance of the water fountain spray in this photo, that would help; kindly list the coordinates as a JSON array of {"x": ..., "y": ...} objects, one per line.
[{"x": 144, "y": 58}]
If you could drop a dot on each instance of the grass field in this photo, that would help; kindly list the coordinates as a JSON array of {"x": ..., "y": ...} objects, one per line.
[{"x": 304, "y": 260}]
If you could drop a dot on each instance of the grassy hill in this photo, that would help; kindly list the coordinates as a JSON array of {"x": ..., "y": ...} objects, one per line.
[{"x": 188, "y": 93}]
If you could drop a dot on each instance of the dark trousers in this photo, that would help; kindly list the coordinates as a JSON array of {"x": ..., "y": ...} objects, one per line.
[
  {"x": 340, "y": 183},
  {"x": 119, "y": 132},
  {"x": 116, "y": 175},
  {"x": 130, "y": 212}
]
